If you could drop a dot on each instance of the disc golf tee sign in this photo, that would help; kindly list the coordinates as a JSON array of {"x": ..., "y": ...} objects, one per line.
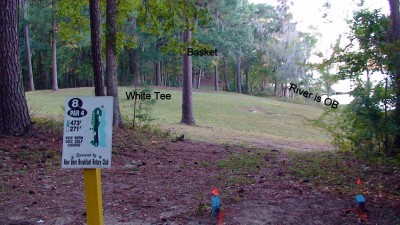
[{"x": 87, "y": 140}]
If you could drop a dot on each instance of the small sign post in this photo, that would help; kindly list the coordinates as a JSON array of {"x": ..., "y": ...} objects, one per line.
[
  {"x": 94, "y": 201},
  {"x": 87, "y": 144}
]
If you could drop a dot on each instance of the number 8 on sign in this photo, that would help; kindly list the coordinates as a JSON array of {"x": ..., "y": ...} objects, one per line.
[{"x": 76, "y": 108}]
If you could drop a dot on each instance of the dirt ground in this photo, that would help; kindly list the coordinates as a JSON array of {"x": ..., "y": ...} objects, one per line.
[{"x": 168, "y": 182}]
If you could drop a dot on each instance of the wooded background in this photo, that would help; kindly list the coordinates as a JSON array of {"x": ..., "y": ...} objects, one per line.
[{"x": 144, "y": 42}]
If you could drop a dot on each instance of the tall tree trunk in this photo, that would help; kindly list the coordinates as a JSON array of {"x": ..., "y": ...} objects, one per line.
[
  {"x": 246, "y": 72},
  {"x": 111, "y": 58},
  {"x": 162, "y": 73},
  {"x": 14, "y": 114},
  {"x": 66, "y": 79},
  {"x": 166, "y": 78},
  {"x": 39, "y": 65},
  {"x": 199, "y": 77},
  {"x": 187, "y": 103},
  {"x": 151, "y": 79},
  {"x": 395, "y": 20},
  {"x": 54, "y": 83},
  {"x": 286, "y": 90},
  {"x": 46, "y": 82},
  {"x": 96, "y": 48},
  {"x": 31, "y": 84},
  {"x": 368, "y": 84},
  {"x": 216, "y": 76},
  {"x": 387, "y": 150},
  {"x": 262, "y": 85},
  {"x": 133, "y": 65},
  {"x": 157, "y": 74},
  {"x": 238, "y": 75},
  {"x": 193, "y": 78},
  {"x": 395, "y": 36},
  {"x": 158, "y": 65},
  {"x": 226, "y": 75}
]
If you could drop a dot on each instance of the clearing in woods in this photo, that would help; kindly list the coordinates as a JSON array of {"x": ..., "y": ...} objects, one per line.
[
  {"x": 158, "y": 179},
  {"x": 221, "y": 117}
]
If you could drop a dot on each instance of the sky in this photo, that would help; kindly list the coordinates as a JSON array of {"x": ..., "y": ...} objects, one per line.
[{"x": 309, "y": 13}]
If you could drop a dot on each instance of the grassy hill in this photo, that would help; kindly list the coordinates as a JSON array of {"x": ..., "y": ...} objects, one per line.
[{"x": 221, "y": 117}]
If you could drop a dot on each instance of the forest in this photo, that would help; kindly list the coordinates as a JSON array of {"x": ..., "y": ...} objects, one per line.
[
  {"x": 238, "y": 90},
  {"x": 255, "y": 39},
  {"x": 258, "y": 51}
]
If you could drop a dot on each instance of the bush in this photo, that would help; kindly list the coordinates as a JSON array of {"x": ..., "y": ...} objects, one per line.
[
  {"x": 142, "y": 110},
  {"x": 365, "y": 126}
]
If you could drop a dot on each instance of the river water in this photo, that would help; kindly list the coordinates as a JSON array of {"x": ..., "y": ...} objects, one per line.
[{"x": 343, "y": 99}]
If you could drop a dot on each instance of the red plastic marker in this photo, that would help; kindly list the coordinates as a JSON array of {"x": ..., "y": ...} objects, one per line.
[
  {"x": 215, "y": 191},
  {"x": 359, "y": 181},
  {"x": 363, "y": 216},
  {"x": 221, "y": 217}
]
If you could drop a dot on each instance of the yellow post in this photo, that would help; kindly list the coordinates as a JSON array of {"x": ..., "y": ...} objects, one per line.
[{"x": 94, "y": 202}]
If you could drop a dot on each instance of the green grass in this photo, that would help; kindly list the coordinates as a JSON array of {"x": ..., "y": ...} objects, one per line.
[
  {"x": 240, "y": 162},
  {"x": 221, "y": 117},
  {"x": 323, "y": 167},
  {"x": 238, "y": 166}
]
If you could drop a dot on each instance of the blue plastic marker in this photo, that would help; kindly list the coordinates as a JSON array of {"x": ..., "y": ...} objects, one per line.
[
  {"x": 360, "y": 200},
  {"x": 215, "y": 203}
]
